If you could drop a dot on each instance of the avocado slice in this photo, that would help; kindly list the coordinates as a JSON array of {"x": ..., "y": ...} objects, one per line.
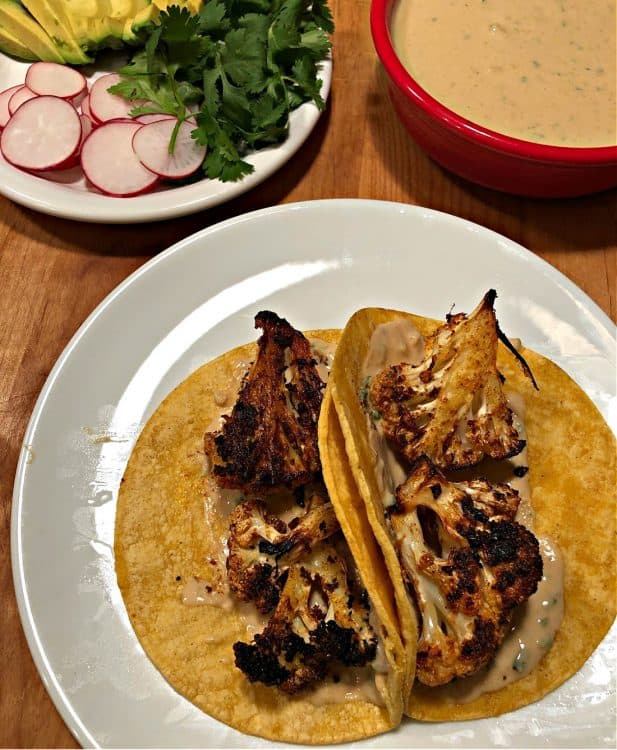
[
  {"x": 16, "y": 22},
  {"x": 91, "y": 25},
  {"x": 10, "y": 45},
  {"x": 118, "y": 14},
  {"x": 53, "y": 17},
  {"x": 143, "y": 15},
  {"x": 194, "y": 6}
]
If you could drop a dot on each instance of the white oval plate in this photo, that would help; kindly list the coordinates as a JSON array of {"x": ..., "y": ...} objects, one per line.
[
  {"x": 315, "y": 263},
  {"x": 66, "y": 193}
]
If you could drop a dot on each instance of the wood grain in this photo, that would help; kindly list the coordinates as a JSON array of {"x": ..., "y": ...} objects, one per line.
[{"x": 54, "y": 272}]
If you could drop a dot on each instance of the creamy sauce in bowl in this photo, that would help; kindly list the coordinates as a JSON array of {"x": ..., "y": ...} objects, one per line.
[{"x": 539, "y": 70}]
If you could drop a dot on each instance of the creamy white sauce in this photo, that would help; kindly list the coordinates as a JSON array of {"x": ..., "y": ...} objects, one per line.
[
  {"x": 391, "y": 343},
  {"x": 540, "y": 70},
  {"x": 196, "y": 593},
  {"x": 218, "y": 503},
  {"x": 347, "y": 684},
  {"x": 226, "y": 398},
  {"x": 390, "y": 471},
  {"x": 531, "y": 636},
  {"x": 536, "y": 622},
  {"x": 323, "y": 351}
]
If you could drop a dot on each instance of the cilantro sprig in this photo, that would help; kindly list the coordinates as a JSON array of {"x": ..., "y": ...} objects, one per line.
[{"x": 239, "y": 67}]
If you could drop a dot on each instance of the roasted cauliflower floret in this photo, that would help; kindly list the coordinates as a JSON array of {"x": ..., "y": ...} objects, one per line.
[
  {"x": 316, "y": 623},
  {"x": 262, "y": 547},
  {"x": 269, "y": 440},
  {"x": 468, "y": 563},
  {"x": 451, "y": 407}
]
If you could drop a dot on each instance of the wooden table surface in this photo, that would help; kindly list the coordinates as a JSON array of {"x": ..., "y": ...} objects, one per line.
[{"x": 53, "y": 272}]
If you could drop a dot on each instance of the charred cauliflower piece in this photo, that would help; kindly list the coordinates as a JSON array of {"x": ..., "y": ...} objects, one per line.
[
  {"x": 469, "y": 565},
  {"x": 262, "y": 547},
  {"x": 316, "y": 622},
  {"x": 450, "y": 407},
  {"x": 270, "y": 438}
]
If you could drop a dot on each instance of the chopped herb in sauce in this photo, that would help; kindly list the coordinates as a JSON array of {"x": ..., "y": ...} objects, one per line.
[
  {"x": 520, "y": 661},
  {"x": 364, "y": 391}
]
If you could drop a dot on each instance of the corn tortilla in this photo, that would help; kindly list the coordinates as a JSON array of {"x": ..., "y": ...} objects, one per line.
[
  {"x": 572, "y": 474},
  {"x": 362, "y": 543},
  {"x": 162, "y": 541}
]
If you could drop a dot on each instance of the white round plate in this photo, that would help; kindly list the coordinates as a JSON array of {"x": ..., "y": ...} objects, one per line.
[
  {"x": 66, "y": 193},
  {"x": 315, "y": 263}
]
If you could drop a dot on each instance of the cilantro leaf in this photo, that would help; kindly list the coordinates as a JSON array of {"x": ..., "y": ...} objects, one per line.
[
  {"x": 244, "y": 59},
  {"x": 315, "y": 42},
  {"x": 245, "y": 64},
  {"x": 212, "y": 18},
  {"x": 322, "y": 15},
  {"x": 304, "y": 75}
]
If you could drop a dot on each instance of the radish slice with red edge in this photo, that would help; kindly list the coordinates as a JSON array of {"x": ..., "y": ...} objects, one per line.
[
  {"x": 5, "y": 98},
  {"x": 105, "y": 106},
  {"x": 44, "y": 133},
  {"x": 85, "y": 107},
  {"x": 86, "y": 127},
  {"x": 52, "y": 79},
  {"x": 77, "y": 100},
  {"x": 147, "y": 119},
  {"x": 151, "y": 144},
  {"x": 110, "y": 164},
  {"x": 23, "y": 94}
]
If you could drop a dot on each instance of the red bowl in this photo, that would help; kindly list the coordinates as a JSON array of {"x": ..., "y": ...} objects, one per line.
[{"x": 482, "y": 155}]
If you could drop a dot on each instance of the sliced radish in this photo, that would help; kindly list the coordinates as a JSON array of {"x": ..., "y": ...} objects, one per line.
[
  {"x": 147, "y": 119},
  {"x": 48, "y": 78},
  {"x": 5, "y": 98},
  {"x": 85, "y": 106},
  {"x": 151, "y": 144},
  {"x": 111, "y": 165},
  {"x": 105, "y": 106},
  {"x": 44, "y": 133},
  {"x": 77, "y": 100},
  {"x": 23, "y": 94},
  {"x": 86, "y": 127}
]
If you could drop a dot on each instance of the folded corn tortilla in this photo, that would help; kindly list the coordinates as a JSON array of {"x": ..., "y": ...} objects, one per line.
[{"x": 572, "y": 472}]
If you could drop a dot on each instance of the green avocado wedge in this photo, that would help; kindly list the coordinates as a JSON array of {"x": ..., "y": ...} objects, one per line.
[
  {"x": 17, "y": 24},
  {"x": 123, "y": 14},
  {"x": 10, "y": 45},
  {"x": 91, "y": 24},
  {"x": 53, "y": 17},
  {"x": 145, "y": 12}
]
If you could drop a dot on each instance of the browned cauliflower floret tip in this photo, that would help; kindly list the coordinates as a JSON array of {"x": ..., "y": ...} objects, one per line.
[
  {"x": 270, "y": 438},
  {"x": 468, "y": 564},
  {"x": 450, "y": 407},
  {"x": 261, "y": 547},
  {"x": 315, "y": 624}
]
